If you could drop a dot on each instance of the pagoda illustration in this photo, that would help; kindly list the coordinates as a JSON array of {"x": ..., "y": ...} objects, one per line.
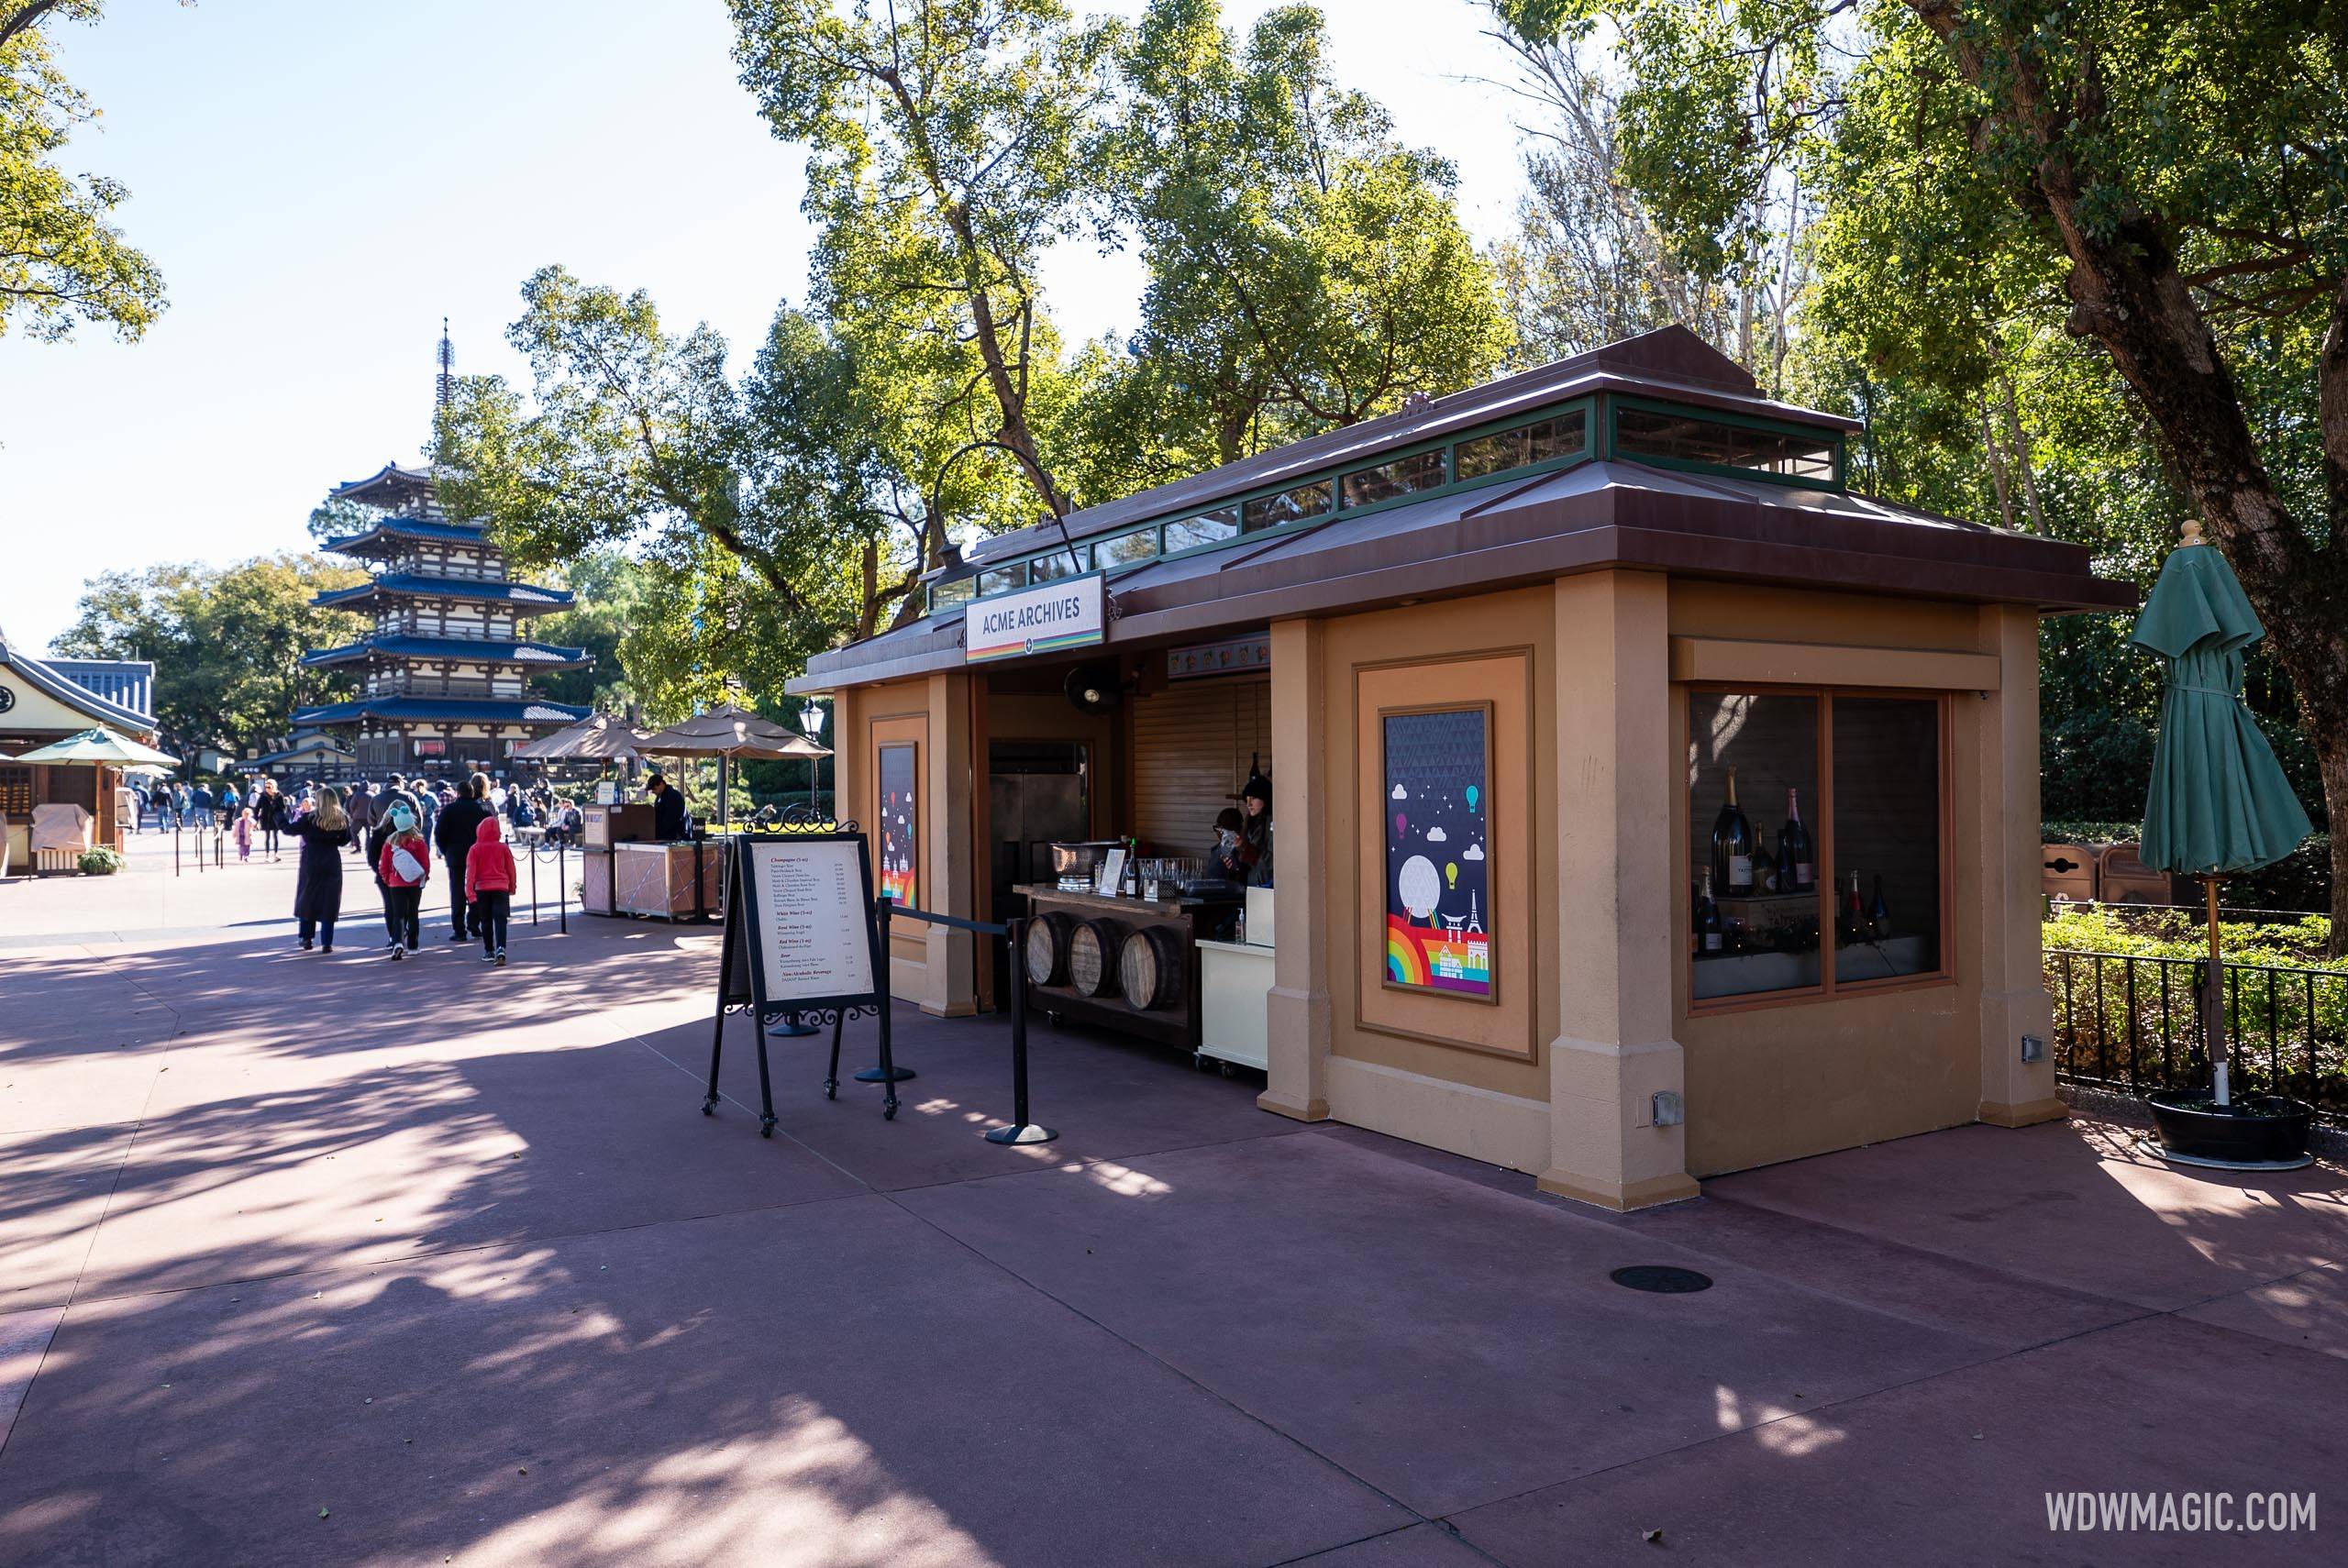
[{"x": 445, "y": 672}]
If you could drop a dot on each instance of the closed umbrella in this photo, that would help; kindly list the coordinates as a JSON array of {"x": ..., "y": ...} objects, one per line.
[{"x": 2219, "y": 801}]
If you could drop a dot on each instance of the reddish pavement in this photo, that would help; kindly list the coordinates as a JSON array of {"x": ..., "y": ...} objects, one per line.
[{"x": 337, "y": 1261}]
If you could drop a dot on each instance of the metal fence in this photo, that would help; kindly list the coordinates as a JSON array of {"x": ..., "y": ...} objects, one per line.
[{"x": 2133, "y": 1021}]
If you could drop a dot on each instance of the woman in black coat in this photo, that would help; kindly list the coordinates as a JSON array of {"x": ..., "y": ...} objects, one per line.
[{"x": 317, "y": 882}]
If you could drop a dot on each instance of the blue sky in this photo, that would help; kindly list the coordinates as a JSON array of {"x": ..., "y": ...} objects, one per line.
[{"x": 322, "y": 182}]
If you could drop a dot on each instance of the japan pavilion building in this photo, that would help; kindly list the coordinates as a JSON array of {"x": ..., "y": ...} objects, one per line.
[{"x": 444, "y": 672}]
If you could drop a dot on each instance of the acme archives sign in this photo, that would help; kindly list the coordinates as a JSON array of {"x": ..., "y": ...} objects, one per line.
[{"x": 1050, "y": 615}]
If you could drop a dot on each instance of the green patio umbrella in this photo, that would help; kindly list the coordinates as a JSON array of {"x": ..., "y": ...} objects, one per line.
[
  {"x": 98, "y": 748},
  {"x": 2219, "y": 801}
]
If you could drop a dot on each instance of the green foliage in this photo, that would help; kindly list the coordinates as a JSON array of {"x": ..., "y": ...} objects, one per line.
[
  {"x": 1305, "y": 268},
  {"x": 99, "y": 861},
  {"x": 62, "y": 260},
  {"x": 227, "y": 641}
]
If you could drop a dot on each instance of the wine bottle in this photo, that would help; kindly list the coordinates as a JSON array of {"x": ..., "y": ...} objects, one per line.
[
  {"x": 1805, "y": 857},
  {"x": 1878, "y": 912},
  {"x": 1788, "y": 882},
  {"x": 1853, "y": 912},
  {"x": 1733, "y": 846},
  {"x": 1708, "y": 919}
]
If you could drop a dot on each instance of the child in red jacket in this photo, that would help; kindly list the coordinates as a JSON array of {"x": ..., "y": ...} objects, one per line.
[
  {"x": 405, "y": 864},
  {"x": 490, "y": 879}
]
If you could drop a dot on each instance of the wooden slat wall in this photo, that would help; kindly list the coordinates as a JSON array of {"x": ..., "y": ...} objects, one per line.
[{"x": 1190, "y": 749}]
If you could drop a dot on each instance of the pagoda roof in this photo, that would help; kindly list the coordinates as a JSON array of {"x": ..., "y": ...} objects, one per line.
[
  {"x": 477, "y": 650},
  {"x": 388, "y": 530},
  {"x": 405, "y": 585},
  {"x": 37, "y": 673},
  {"x": 443, "y": 711},
  {"x": 389, "y": 476}
]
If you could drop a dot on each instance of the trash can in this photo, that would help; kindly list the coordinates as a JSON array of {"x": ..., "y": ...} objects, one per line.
[
  {"x": 2068, "y": 871},
  {"x": 2126, "y": 879}
]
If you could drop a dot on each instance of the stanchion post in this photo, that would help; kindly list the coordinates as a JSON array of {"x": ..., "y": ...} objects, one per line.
[
  {"x": 1021, "y": 1130},
  {"x": 534, "y": 887},
  {"x": 562, "y": 886},
  {"x": 888, "y": 1072}
]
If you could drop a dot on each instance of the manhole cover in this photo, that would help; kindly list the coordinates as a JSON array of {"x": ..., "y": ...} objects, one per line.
[{"x": 1662, "y": 1281}]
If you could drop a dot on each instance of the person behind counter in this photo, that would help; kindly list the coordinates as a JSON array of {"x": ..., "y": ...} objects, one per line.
[
  {"x": 1255, "y": 830},
  {"x": 668, "y": 819}
]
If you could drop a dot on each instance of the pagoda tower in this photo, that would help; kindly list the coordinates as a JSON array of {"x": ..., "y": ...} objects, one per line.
[{"x": 443, "y": 673}]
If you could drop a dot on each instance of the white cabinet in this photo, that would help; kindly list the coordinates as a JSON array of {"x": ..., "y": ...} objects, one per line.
[{"x": 1235, "y": 978}]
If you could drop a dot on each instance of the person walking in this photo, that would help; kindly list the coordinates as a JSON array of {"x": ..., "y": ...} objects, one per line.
[
  {"x": 454, "y": 836},
  {"x": 318, "y": 881},
  {"x": 404, "y": 865},
  {"x": 243, "y": 834},
  {"x": 269, "y": 814},
  {"x": 361, "y": 804},
  {"x": 378, "y": 833},
  {"x": 204, "y": 805},
  {"x": 490, "y": 879}
]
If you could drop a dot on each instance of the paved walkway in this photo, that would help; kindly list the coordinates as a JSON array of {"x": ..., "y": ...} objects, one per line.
[{"x": 337, "y": 1261}]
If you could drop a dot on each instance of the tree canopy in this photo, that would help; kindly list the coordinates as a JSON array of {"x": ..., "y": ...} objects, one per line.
[{"x": 63, "y": 263}]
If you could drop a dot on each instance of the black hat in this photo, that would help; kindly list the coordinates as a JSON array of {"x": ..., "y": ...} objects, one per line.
[{"x": 1257, "y": 788}]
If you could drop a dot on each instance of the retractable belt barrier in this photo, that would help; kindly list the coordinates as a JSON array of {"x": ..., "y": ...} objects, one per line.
[{"x": 1022, "y": 1130}]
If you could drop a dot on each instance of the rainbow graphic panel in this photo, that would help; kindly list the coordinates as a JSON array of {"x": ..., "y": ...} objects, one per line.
[
  {"x": 1438, "y": 878},
  {"x": 898, "y": 873}
]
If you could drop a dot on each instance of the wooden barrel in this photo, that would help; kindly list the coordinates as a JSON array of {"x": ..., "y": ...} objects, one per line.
[
  {"x": 1149, "y": 966},
  {"x": 1092, "y": 956},
  {"x": 1048, "y": 949}
]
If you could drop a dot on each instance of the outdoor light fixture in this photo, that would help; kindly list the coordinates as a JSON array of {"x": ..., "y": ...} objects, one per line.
[{"x": 811, "y": 719}]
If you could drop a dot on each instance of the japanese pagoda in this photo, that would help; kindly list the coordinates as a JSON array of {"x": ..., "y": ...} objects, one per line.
[{"x": 443, "y": 674}]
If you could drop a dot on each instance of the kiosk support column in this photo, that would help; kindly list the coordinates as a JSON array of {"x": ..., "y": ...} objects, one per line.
[{"x": 1617, "y": 785}]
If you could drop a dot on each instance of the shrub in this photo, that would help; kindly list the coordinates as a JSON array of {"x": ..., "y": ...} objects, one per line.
[{"x": 100, "y": 862}]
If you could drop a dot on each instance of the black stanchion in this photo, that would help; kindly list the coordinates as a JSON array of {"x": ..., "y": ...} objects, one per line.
[
  {"x": 562, "y": 885},
  {"x": 534, "y": 887},
  {"x": 1021, "y": 1131},
  {"x": 887, "y": 1072}
]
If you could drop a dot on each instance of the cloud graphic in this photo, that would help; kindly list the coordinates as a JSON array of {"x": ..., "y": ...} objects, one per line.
[
  {"x": 1400, "y": 793},
  {"x": 1473, "y": 852},
  {"x": 1436, "y": 836}
]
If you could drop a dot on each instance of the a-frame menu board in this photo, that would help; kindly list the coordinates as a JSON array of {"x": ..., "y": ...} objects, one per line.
[{"x": 802, "y": 939}]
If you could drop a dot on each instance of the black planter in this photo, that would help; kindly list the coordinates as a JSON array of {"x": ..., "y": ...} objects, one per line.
[{"x": 2254, "y": 1130}]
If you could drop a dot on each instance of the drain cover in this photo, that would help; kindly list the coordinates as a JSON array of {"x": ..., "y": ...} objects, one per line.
[{"x": 1662, "y": 1281}]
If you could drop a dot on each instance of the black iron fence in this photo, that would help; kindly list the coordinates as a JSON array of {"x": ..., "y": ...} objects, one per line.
[{"x": 2133, "y": 1022}]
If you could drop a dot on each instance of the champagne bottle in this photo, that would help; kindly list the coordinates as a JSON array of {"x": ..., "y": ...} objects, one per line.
[
  {"x": 1805, "y": 857},
  {"x": 1732, "y": 848},
  {"x": 1789, "y": 882},
  {"x": 1853, "y": 912},
  {"x": 1878, "y": 912},
  {"x": 1708, "y": 919}
]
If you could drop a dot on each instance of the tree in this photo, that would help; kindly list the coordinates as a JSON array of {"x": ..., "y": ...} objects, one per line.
[
  {"x": 227, "y": 642},
  {"x": 2162, "y": 181},
  {"x": 62, "y": 262},
  {"x": 944, "y": 144},
  {"x": 766, "y": 518},
  {"x": 1306, "y": 269}
]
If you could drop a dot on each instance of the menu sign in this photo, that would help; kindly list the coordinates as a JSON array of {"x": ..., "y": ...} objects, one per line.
[
  {"x": 812, "y": 916},
  {"x": 1068, "y": 613}
]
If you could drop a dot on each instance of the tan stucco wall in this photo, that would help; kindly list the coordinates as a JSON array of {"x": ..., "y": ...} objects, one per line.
[{"x": 1780, "y": 1081}]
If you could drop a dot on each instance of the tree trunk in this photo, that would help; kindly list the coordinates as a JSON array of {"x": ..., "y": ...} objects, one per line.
[
  {"x": 1997, "y": 471},
  {"x": 2020, "y": 441},
  {"x": 2127, "y": 293}
]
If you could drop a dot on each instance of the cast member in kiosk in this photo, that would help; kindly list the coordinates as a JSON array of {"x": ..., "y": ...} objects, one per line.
[
  {"x": 1256, "y": 829},
  {"x": 669, "y": 820},
  {"x": 1224, "y": 860}
]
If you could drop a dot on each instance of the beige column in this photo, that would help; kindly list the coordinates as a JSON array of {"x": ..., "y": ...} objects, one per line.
[
  {"x": 954, "y": 862},
  {"x": 2005, "y": 858},
  {"x": 1618, "y": 801},
  {"x": 1297, "y": 1012}
]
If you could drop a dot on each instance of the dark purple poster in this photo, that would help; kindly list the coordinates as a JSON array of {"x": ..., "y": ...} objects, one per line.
[{"x": 1438, "y": 907}]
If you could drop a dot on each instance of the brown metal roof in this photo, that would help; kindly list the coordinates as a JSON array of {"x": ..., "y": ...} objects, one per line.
[
  {"x": 1600, "y": 513},
  {"x": 1671, "y": 363}
]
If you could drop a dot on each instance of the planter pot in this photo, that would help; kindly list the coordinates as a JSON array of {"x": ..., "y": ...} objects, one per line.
[{"x": 2259, "y": 1132}]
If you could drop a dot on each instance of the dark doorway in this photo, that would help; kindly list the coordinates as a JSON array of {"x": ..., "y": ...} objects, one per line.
[{"x": 1038, "y": 795}]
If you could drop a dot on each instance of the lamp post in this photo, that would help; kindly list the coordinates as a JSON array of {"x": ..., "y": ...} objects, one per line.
[{"x": 811, "y": 725}]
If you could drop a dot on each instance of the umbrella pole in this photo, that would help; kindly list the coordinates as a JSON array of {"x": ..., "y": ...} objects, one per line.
[{"x": 2219, "y": 1089}]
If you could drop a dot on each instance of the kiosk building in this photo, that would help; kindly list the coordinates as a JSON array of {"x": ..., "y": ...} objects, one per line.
[{"x": 1648, "y": 804}]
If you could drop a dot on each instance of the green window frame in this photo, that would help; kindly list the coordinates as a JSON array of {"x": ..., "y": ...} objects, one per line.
[{"x": 1832, "y": 440}]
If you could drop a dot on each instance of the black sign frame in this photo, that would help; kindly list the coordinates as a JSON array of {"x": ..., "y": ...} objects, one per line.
[{"x": 741, "y": 978}]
